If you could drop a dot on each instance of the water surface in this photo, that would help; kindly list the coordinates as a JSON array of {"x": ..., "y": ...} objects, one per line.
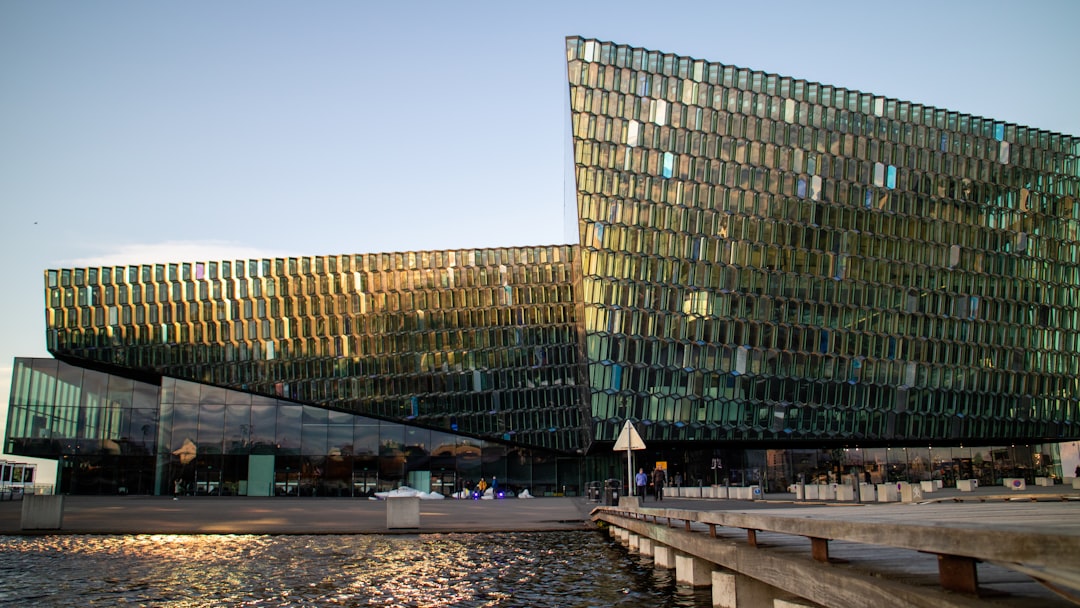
[{"x": 556, "y": 569}]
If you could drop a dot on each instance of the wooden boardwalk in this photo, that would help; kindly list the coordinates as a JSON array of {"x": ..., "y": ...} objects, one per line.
[{"x": 943, "y": 553}]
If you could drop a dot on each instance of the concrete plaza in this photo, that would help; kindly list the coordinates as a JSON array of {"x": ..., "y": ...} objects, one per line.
[{"x": 290, "y": 515}]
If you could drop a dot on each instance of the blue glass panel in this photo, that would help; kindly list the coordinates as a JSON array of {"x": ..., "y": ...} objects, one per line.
[
  {"x": 890, "y": 179},
  {"x": 669, "y": 163}
]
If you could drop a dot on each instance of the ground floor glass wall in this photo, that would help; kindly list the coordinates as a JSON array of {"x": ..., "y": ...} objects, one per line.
[
  {"x": 115, "y": 435},
  {"x": 777, "y": 470}
]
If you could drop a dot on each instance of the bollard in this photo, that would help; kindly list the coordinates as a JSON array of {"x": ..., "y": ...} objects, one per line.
[
  {"x": 402, "y": 512},
  {"x": 42, "y": 512}
]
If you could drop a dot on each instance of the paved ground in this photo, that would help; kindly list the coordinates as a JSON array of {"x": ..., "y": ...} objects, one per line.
[{"x": 249, "y": 515}]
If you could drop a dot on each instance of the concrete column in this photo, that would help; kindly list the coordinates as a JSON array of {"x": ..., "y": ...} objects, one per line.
[
  {"x": 663, "y": 556},
  {"x": 693, "y": 571},
  {"x": 646, "y": 546},
  {"x": 44, "y": 512},
  {"x": 634, "y": 543},
  {"x": 731, "y": 590}
]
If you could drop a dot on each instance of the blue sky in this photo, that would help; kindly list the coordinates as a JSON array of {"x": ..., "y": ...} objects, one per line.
[{"x": 153, "y": 131}]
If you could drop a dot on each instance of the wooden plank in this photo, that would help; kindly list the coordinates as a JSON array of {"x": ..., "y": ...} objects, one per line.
[{"x": 958, "y": 574}]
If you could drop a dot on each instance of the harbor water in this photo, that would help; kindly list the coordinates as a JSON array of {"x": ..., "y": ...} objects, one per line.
[{"x": 549, "y": 569}]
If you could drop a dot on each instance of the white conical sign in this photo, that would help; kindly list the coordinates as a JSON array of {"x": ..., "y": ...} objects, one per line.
[{"x": 628, "y": 439}]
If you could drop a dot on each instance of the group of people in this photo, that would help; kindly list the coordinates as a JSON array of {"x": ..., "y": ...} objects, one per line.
[
  {"x": 482, "y": 486},
  {"x": 658, "y": 479}
]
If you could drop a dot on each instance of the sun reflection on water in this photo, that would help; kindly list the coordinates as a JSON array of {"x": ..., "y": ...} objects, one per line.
[{"x": 556, "y": 569}]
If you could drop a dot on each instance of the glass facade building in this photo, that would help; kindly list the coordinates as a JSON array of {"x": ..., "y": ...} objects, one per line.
[
  {"x": 767, "y": 259},
  {"x": 762, "y": 263}
]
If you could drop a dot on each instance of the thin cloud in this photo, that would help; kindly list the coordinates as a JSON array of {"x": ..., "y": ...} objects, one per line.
[{"x": 172, "y": 252}]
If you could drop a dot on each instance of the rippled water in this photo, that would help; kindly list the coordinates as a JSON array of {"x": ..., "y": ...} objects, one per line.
[{"x": 556, "y": 569}]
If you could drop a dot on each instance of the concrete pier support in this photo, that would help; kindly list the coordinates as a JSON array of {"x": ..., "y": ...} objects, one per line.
[
  {"x": 693, "y": 571},
  {"x": 663, "y": 556},
  {"x": 44, "y": 512},
  {"x": 634, "y": 543},
  {"x": 646, "y": 546},
  {"x": 732, "y": 590},
  {"x": 622, "y": 535}
]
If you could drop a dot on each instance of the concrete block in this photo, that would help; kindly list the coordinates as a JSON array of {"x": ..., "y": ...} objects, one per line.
[
  {"x": 692, "y": 571},
  {"x": 910, "y": 492},
  {"x": 967, "y": 485},
  {"x": 845, "y": 493},
  {"x": 1076, "y": 483},
  {"x": 1014, "y": 483},
  {"x": 888, "y": 492},
  {"x": 867, "y": 492},
  {"x": 645, "y": 546},
  {"x": 402, "y": 512},
  {"x": 634, "y": 543},
  {"x": 928, "y": 487},
  {"x": 629, "y": 502},
  {"x": 663, "y": 556},
  {"x": 1044, "y": 481},
  {"x": 44, "y": 512}
]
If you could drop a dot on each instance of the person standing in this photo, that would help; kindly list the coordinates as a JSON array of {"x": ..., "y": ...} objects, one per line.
[
  {"x": 641, "y": 480},
  {"x": 658, "y": 479}
]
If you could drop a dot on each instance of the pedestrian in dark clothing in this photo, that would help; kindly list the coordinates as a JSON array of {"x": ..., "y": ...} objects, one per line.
[{"x": 658, "y": 479}]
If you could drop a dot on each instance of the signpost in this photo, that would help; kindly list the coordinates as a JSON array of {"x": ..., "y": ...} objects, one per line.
[{"x": 629, "y": 440}]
